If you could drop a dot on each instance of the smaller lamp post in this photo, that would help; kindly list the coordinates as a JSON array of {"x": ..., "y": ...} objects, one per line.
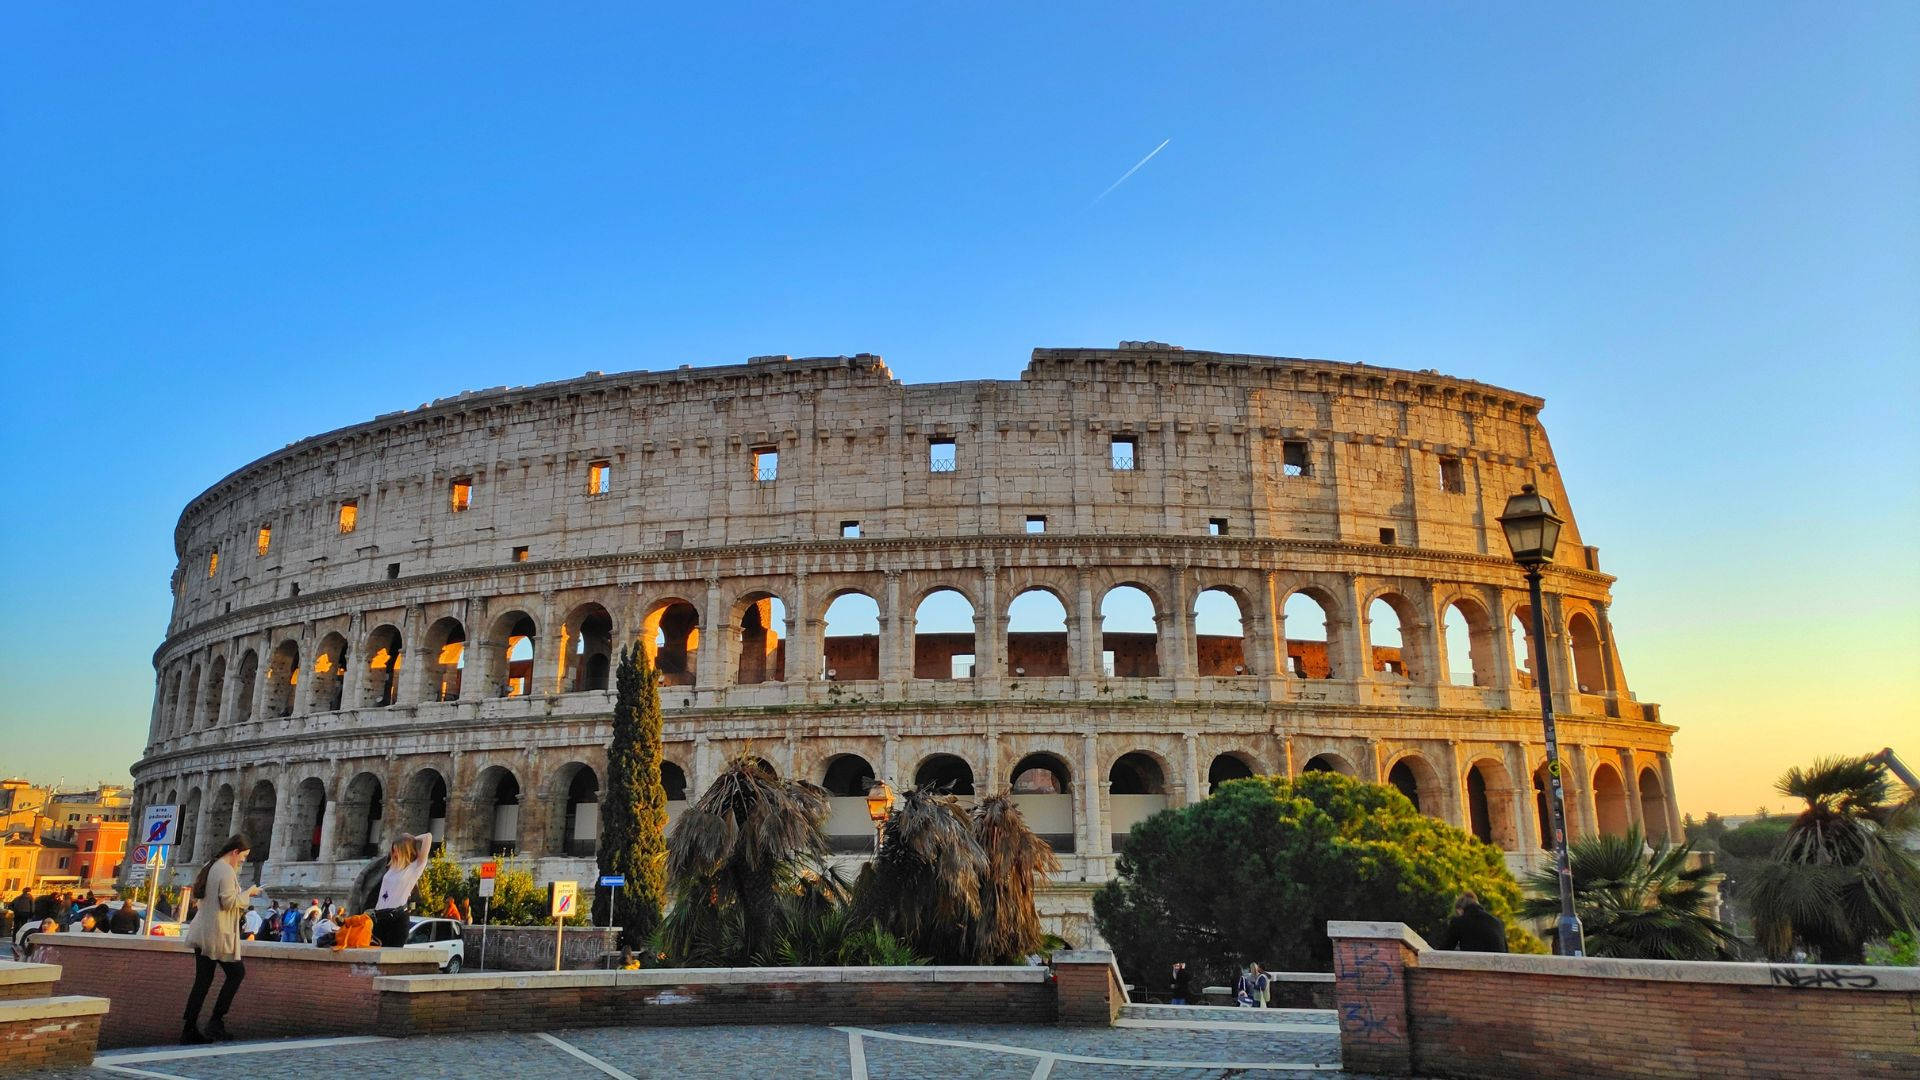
[
  {"x": 1533, "y": 529},
  {"x": 879, "y": 805}
]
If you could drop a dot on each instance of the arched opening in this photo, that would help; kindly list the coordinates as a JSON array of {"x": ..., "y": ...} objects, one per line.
[
  {"x": 1653, "y": 808},
  {"x": 498, "y": 799},
  {"x": 170, "y": 718},
  {"x": 850, "y": 638},
  {"x": 1225, "y": 767},
  {"x": 1388, "y": 658},
  {"x": 1469, "y": 641},
  {"x": 309, "y": 809},
  {"x": 220, "y": 820},
  {"x": 1520, "y": 629},
  {"x": 1129, "y": 634},
  {"x": 1589, "y": 672},
  {"x": 849, "y": 828},
  {"x": 586, "y": 649},
  {"x": 424, "y": 806},
  {"x": 1037, "y": 636},
  {"x": 1309, "y": 637},
  {"x": 190, "y": 707},
  {"x": 943, "y": 636},
  {"x": 511, "y": 666},
  {"x": 1043, "y": 790},
  {"x": 216, "y": 690},
  {"x": 579, "y": 815},
  {"x": 189, "y": 827},
  {"x": 1610, "y": 801},
  {"x": 947, "y": 772},
  {"x": 673, "y": 779},
  {"x": 1490, "y": 805},
  {"x": 360, "y": 818},
  {"x": 1333, "y": 763},
  {"x": 447, "y": 655},
  {"x": 1543, "y": 807},
  {"x": 1219, "y": 634},
  {"x": 763, "y": 650},
  {"x": 1420, "y": 783},
  {"x": 1137, "y": 790},
  {"x": 383, "y": 669},
  {"x": 258, "y": 821},
  {"x": 243, "y": 704},
  {"x": 671, "y": 635},
  {"x": 329, "y": 675}
]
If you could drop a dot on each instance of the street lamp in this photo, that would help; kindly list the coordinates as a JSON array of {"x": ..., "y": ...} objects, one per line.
[
  {"x": 879, "y": 805},
  {"x": 1533, "y": 529}
]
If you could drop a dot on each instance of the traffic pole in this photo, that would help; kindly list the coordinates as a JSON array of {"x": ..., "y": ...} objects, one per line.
[{"x": 155, "y": 860}]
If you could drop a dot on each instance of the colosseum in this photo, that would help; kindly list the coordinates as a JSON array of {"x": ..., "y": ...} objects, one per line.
[{"x": 1128, "y": 576}]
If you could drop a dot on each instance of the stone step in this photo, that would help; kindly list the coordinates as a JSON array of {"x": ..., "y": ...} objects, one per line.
[{"x": 1216, "y": 1014}]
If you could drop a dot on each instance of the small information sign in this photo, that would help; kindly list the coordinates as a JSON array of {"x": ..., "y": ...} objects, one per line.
[
  {"x": 562, "y": 896},
  {"x": 612, "y": 881}
]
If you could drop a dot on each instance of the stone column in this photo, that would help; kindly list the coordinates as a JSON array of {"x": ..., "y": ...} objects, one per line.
[
  {"x": 303, "y": 691},
  {"x": 896, "y": 641},
  {"x": 1347, "y": 629},
  {"x": 1094, "y": 825},
  {"x": 1456, "y": 793},
  {"x": 890, "y": 761},
  {"x": 329, "y": 828},
  {"x": 989, "y": 636},
  {"x": 1632, "y": 781},
  {"x": 353, "y": 677},
  {"x": 704, "y": 767},
  {"x": 1526, "y": 816},
  {"x": 476, "y": 657},
  {"x": 280, "y": 845},
  {"x": 1501, "y": 654},
  {"x": 1090, "y": 626},
  {"x": 1676, "y": 828},
  {"x": 547, "y": 643},
  {"x": 202, "y": 822},
  {"x": 803, "y": 630},
  {"x": 990, "y": 768},
  {"x": 1181, "y": 646},
  {"x": 1194, "y": 783}
]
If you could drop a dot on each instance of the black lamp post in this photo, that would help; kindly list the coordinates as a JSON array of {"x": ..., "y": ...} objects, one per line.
[{"x": 1533, "y": 529}]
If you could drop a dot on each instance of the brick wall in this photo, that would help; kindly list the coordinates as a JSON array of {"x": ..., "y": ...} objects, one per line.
[
  {"x": 30, "y": 1042},
  {"x": 1089, "y": 987},
  {"x": 542, "y": 1001},
  {"x": 289, "y": 989},
  {"x": 1405, "y": 1008}
]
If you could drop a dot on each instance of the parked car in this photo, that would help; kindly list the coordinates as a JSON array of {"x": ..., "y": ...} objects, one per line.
[{"x": 442, "y": 936}]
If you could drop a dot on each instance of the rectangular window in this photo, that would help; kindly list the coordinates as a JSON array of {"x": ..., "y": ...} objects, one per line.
[
  {"x": 263, "y": 540},
  {"x": 943, "y": 455},
  {"x": 1453, "y": 478},
  {"x": 1122, "y": 453},
  {"x": 963, "y": 665},
  {"x": 599, "y": 477},
  {"x": 460, "y": 495},
  {"x": 213, "y": 562},
  {"x": 349, "y": 515},
  {"x": 393, "y": 570},
  {"x": 766, "y": 464},
  {"x": 520, "y": 553},
  {"x": 88, "y": 846},
  {"x": 1216, "y": 526},
  {"x": 674, "y": 539},
  {"x": 1036, "y": 523},
  {"x": 1386, "y": 537},
  {"x": 293, "y": 590},
  {"x": 1294, "y": 458},
  {"x": 849, "y": 530},
  {"x": 1106, "y": 663}
]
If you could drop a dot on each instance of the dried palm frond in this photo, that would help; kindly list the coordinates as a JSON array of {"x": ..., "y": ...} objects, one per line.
[{"x": 1017, "y": 861}]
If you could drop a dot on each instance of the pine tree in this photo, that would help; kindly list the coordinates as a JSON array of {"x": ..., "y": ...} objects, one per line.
[{"x": 634, "y": 814}]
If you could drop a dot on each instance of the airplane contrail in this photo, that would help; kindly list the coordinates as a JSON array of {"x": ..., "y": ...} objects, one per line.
[{"x": 1130, "y": 172}]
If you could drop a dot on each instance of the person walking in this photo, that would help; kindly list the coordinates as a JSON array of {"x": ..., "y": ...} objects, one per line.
[
  {"x": 1475, "y": 929},
  {"x": 214, "y": 935},
  {"x": 1182, "y": 984},
  {"x": 23, "y": 906},
  {"x": 405, "y": 863}
]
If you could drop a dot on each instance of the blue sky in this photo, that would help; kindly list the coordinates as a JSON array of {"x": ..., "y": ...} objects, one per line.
[{"x": 1690, "y": 227}]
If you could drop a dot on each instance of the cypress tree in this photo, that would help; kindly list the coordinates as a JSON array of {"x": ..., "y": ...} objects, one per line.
[{"x": 634, "y": 813}]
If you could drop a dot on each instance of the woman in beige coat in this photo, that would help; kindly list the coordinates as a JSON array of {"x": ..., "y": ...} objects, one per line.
[{"x": 214, "y": 934}]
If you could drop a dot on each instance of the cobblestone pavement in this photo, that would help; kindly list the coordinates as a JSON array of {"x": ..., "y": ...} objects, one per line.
[{"x": 1204, "y": 1049}]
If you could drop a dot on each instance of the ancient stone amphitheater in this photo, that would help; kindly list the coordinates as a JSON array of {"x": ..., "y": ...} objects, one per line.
[{"x": 1109, "y": 585}]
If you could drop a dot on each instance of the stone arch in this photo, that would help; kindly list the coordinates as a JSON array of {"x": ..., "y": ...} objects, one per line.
[
  {"x": 329, "y": 674},
  {"x": 947, "y": 769},
  {"x": 574, "y": 792},
  {"x": 1392, "y": 621},
  {"x": 673, "y": 779},
  {"x": 495, "y": 828},
  {"x": 1415, "y": 777},
  {"x": 1042, "y": 787},
  {"x": 424, "y": 804},
  {"x": 586, "y": 649},
  {"x": 183, "y": 722},
  {"x": 850, "y": 637},
  {"x": 760, "y": 620},
  {"x": 1220, "y": 626},
  {"x": 847, "y": 776},
  {"x": 1653, "y": 807},
  {"x": 361, "y": 809},
  {"x": 1467, "y": 631},
  {"x": 1038, "y": 642},
  {"x": 220, "y": 819},
  {"x": 246, "y": 673},
  {"x": 1230, "y": 765},
  {"x": 511, "y": 646},
  {"x": 1042, "y": 773},
  {"x": 170, "y": 716},
  {"x": 670, "y": 634},
  {"x": 384, "y": 651},
  {"x": 1490, "y": 803},
  {"x": 215, "y": 693},
  {"x": 1312, "y": 628},
  {"x": 257, "y": 820},
  {"x": 1610, "y": 801},
  {"x": 849, "y": 826},
  {"x": 1330, "y": 761},
  {"x": 1136, "y": 790},
  {"x": 190, "y": 827},
  {"x": 1130, "y": 632},
  {"x": 309, "y": 810},
  {"x": 943, "y": 637},
  {"x": 1542, "y": 808},
  {"x": 1589, "y": 668},
  {"x": 446, "y": 653}
]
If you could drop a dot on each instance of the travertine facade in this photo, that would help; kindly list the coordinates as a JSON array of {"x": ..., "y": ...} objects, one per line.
[{"x": 407, "y": 623}]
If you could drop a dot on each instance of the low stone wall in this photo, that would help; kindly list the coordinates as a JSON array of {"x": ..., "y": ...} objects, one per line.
[
  {"x": 289, "y": 989},
  {"x": 1406, "y": 1008},
  {"x": 530, "y": 948},
  {"x": 1286, "y": 990},
  {"x": 26, "y": 980},
  {"x": 1089, "y": 987},
  {"x": 539, "y": 1001},
  {"x": 39, "y": 1030}
]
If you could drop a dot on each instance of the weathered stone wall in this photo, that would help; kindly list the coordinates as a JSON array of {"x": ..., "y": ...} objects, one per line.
[{"x": 339, "y": 686}]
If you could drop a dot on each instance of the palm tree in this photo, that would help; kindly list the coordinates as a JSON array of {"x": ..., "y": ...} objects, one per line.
[
  {"x": 1008, "y": 927},
  {"x": 751, "y": 842},
  {"x": 1634, "y": 903},
  {"x": 926, "y": 883},
  {"x": 1840, "y": 877}
]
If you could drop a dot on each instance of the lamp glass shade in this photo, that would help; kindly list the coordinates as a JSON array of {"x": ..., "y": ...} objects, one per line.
[
  {"x": 879, "y": 801},
  {"x": 1532, "y": 528}
]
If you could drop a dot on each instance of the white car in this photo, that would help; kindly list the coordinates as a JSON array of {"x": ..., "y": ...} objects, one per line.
[{"x": 442, "y": 936}]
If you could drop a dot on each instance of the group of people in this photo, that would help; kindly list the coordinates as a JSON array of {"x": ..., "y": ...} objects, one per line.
[
  {"x": 55, "y": 912},
  {"x": 311, "y": 924}
]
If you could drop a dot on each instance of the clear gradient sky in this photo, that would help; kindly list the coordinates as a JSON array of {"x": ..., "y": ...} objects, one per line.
[{"x": 1694, "y": 229}]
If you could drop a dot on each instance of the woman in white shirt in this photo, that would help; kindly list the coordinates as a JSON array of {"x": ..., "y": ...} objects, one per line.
[{"x": 405, "y": 863}]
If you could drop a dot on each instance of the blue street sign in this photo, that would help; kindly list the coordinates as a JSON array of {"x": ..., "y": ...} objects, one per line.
[{"x": 613, "y": 880}]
